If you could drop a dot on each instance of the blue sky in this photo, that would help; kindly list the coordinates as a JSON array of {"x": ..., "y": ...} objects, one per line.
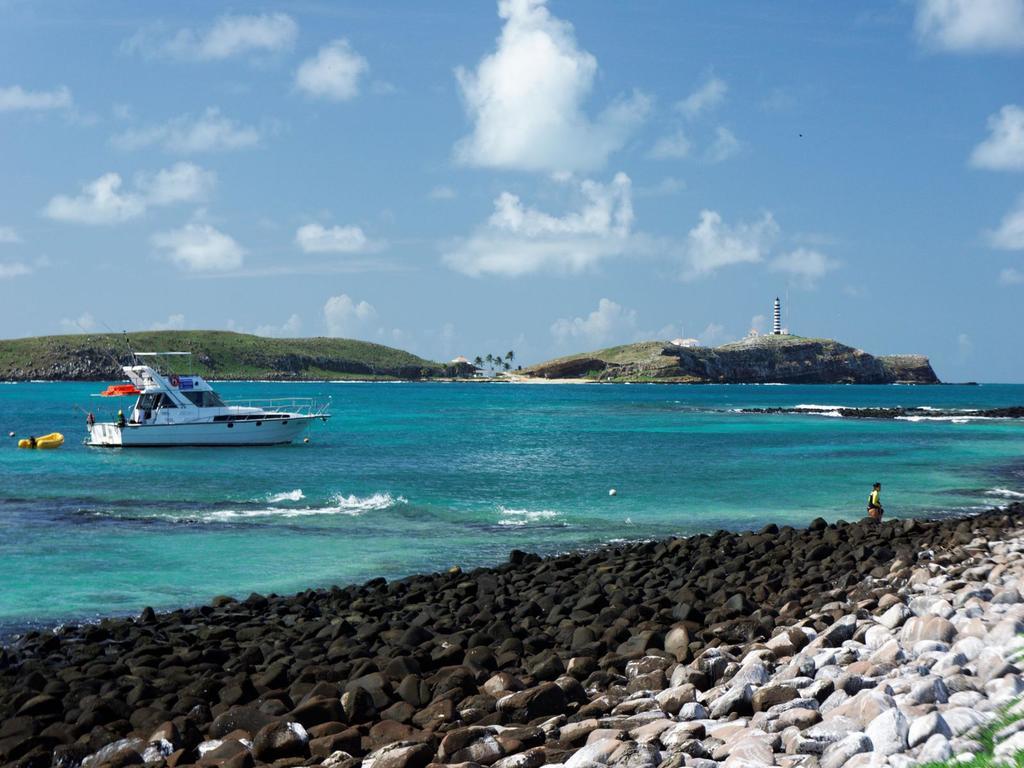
[{"x": 464, "y": 178}]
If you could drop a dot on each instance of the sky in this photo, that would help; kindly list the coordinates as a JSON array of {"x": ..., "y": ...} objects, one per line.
[{"x": 461, "y": 178}]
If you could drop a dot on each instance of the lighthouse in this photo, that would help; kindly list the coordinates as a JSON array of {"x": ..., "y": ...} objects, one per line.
[{"x": 777, "y": 317}]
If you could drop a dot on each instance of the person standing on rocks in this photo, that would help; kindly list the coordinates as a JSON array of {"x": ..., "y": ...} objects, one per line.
[{"x": 875, "y": 510}]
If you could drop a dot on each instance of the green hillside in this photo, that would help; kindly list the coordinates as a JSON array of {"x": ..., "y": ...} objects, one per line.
[{"x": 215, "y": 354}]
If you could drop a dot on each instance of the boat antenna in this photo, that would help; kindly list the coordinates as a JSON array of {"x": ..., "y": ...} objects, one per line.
[{"x": 128, "y": 342}]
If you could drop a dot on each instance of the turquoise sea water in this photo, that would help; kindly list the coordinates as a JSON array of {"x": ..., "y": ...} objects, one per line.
[{"x": 416, "y": 477}]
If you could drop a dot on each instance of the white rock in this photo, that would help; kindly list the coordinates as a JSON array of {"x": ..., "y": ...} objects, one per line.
[
  {"x": 1005, "y": 751},
  {"x": 836, "y": 755},
  {"x": 963, "y": 720},
  {"x": 936, "y": 750},
  {"x": 693, "y": 710},
  {"x": 598, "y": 753},
  {"x": 923, "y": 728},
  {"x": 889, "y": 732},
  {"x": 895, "y": 616}
]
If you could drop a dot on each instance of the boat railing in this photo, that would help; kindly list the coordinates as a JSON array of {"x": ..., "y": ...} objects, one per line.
[{"x": 304, "y": 406}]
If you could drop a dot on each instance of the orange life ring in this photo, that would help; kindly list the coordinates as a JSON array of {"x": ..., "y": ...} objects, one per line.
[{"x": 175, "y": 381}]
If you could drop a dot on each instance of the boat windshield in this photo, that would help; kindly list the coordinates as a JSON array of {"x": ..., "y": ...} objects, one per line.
[
  {"x": 204, "y": 399},
  {"x": 153, "y": 401}
]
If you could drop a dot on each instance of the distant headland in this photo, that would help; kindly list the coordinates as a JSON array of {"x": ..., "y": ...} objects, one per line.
[
  {"x": 765, "y": 359},
  {"x": 220, "y": 355},
  {"x": 225, "y": 356}
]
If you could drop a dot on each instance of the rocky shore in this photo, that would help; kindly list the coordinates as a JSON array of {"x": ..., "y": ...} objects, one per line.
[{"x": 855, "y": 645}]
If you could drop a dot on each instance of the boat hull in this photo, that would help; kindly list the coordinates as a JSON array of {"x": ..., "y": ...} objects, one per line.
[{"x": 221, "y": 433}]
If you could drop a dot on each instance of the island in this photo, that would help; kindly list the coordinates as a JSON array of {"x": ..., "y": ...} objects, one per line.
[
  {"x": 220, "y": 355},
  {"x": 760, "y": 359}
]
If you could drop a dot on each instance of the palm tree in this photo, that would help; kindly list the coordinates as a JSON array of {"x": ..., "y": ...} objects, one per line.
[
  {"x": 490, "y": 358},
  {"x": 510, "y": 355},
  {"x": 497, "y": 361},
  {"x": 507, "y": 365},
  {"x": 478, "y": 361}
]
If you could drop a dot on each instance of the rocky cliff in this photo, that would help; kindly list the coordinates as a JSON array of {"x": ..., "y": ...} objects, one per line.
[{"x": 760, "y": 360}]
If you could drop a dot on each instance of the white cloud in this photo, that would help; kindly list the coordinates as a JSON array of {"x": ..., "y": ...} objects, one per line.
[
  {"x": 289, "y": 329},
  {"x": 172, "y": 323},
  {"x": 725, "y": 145},
  {"x": 104, "y": 202},
  {"x": 101, "y": 202},
  {"x": 1011, "y": 276},
  {"x": 712, "y": 245},
  {"x": 518, "y": 240},
  {"x": 12, "y": 269},
  {"x": 314, "y": 238},
  {"x": 1003, "y": 150},
  {"x": 228, "y": 36},
  {"x": 9, "y": 235},
  {"x": 966, "y": 26},
  {"x": 210, "y": 132},
  {"x": 181, "y": 183},
  {"x": 83, "y": 324},
  {"x": 332, "y": 74},
  {"x": 14, "y": 98},
  {"x": 667, "y": 186},
  {"x": 674, "y": 146},
  {"x": 609, "y": 322},
  {"x": 1010, "y": 235},
  {"x": 442, "y": 192},
  {"x": 805, "y": 265},
  {"x": 704, "y": 99},
  {"x": 200, "y": 247},
  {"x": 712, "y": 334},
  {"x": 345, "y": 317},
  {"x": 526, "y": 99}
]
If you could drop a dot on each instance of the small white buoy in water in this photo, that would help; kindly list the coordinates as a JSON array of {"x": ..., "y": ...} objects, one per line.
[
  {"x": 612, "y": 492},
  {"x": 305, "y": 439},
  {"x": 10, "y": 434}
]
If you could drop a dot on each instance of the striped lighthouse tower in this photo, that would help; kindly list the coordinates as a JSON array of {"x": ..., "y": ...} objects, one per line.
[{"x": 777, "y": 318}]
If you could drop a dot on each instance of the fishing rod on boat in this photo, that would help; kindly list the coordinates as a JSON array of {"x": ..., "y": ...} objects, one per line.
[{"x": 103, "y": 350}]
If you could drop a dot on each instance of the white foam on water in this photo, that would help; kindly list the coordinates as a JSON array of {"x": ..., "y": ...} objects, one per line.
[
  {"x": 1004, "y": 493},
  {"x": 520, "y": 517},
  {"x": 951, "y": 419},
  {"x": 351, "y": 505},
  {"x": 296, "y": 495},
  {"x": 814, "y": 407}
]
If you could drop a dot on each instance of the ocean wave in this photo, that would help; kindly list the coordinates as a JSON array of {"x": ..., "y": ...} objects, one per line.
[
  {"x": 1004, "y": 493},
  {"x": 519, "y": 517},
  {"x": 339, "y": 504},
  {"x": 950, "y": 419},
  {"x": 832, "y": 411},
  {"x": 352, "y": 506},
  {"x": 296, "y": 495}
]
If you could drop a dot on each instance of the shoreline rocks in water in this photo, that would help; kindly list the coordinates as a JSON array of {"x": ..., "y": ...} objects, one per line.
[{"x": 855, "y": 645}]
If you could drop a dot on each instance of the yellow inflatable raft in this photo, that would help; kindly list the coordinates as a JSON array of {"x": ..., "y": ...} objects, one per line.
[{"x": 52, "y": 440}]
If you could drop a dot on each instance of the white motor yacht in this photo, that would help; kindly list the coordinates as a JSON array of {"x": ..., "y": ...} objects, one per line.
[{"x": 173, "y": 410}]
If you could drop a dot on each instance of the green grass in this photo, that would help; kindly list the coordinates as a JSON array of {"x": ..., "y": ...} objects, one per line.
[
  {"x": 985, "y": 758},
  {"x": 216, "y": 354}
]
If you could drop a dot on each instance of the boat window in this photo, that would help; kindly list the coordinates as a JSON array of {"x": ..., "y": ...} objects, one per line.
[
  {"x": 163, "y": 401},
  {"x": 204, "y": 399},
  {"x": 146, "y": 402}
]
